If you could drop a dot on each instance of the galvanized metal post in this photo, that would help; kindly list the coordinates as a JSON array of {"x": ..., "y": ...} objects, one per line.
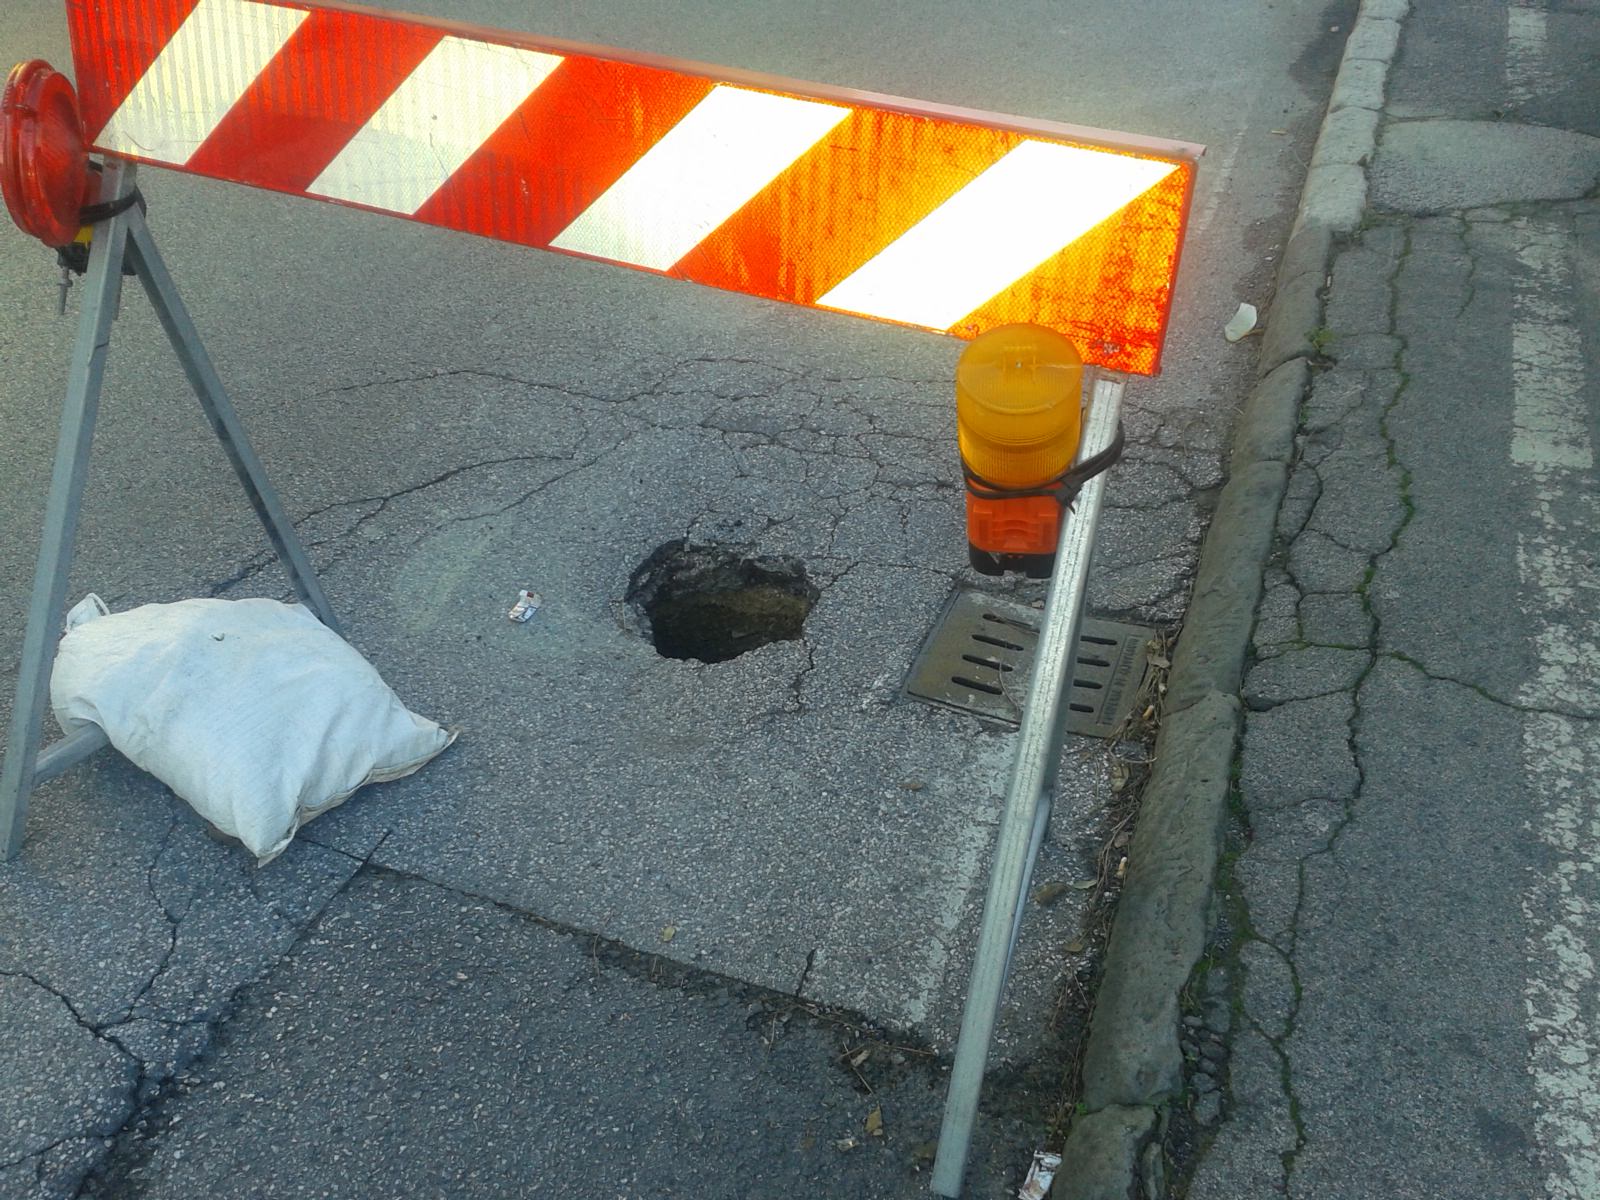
[
  {"x": 1028, "y": 800},
  {"x": 102, "y": 286},
  {"x": 124, "y": 237}
]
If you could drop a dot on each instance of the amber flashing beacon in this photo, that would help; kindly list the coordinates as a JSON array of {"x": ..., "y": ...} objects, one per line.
[{"x": 1019, "y": 417}]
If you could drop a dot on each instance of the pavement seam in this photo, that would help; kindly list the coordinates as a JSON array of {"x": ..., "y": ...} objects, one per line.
[
  {"x": 1105, "y": 1159},
  {"x": 620, "y": 954}
]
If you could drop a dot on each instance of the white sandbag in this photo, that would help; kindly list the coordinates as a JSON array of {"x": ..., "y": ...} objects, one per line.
[{"x": 253, "y": 711}]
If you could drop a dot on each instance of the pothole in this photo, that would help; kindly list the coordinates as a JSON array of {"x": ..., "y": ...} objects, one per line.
[{"x": 705, "y": 601}]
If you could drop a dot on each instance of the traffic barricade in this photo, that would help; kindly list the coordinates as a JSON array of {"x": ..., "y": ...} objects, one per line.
[{"x": 931, "y": 216}]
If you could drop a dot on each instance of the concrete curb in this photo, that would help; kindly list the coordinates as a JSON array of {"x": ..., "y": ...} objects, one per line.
[
  {"x": 1098, "y": 1151},
  {"x": 1133, "y": 1054},
  {"x": 1133, "y": 1068}
]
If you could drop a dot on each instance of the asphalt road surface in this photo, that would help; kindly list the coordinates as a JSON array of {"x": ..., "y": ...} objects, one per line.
[{"x": 449, "y": 420}]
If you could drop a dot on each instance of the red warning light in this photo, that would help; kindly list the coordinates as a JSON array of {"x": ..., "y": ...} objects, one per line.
[{"x": 44, "y": 158}]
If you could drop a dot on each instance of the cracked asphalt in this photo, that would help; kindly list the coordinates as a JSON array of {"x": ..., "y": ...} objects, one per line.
[
  {"x": 1400, "y": 999},
  {"x": 468, "y": 976}
]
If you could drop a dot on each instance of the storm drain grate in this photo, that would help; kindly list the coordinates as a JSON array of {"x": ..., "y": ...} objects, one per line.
[{"x": 979, "y": 658}]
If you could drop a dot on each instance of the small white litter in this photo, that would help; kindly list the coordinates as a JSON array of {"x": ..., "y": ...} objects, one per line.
[
  {"x": 527, "y": 604},
  {"x": 252, "y": 711},
  {"x": 1242, "y": 324},
  {"x": 1040, "y": 1175}
]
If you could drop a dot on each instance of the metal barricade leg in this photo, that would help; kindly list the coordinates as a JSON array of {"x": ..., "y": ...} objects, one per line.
[
  {"x": 185, "y": 339},
  {"x": 102, "y": 286},
  {"x": 124, "y": 237},
  {"x": 1028, "y": 801}
]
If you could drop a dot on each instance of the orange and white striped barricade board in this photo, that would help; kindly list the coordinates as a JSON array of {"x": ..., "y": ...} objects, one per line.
[{"x": 898, "y": 210}]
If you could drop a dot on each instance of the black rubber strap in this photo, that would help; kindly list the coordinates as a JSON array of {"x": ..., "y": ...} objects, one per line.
[
  {"x": 93, "y": 214},
  {"x": 1063, "y": 489},
  {"x": 74, "y": 256}
]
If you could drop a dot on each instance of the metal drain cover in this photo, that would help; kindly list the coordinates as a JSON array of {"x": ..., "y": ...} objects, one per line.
[{"x": 980, "y": 656}]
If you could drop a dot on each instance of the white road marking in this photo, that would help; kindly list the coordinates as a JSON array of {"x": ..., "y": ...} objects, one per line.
[
  {"x": 1527, "y": 34},
  {"x": 1549, "y": 422},
  {"x": 1561, "y": 755},
  {"x": 199, "y": 75},
  {"x": 707, "y": 167},
  {"x": 432, "y": 123}
]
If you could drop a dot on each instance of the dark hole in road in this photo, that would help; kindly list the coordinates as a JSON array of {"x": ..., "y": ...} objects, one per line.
[{"x": 706, "y": 601}]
